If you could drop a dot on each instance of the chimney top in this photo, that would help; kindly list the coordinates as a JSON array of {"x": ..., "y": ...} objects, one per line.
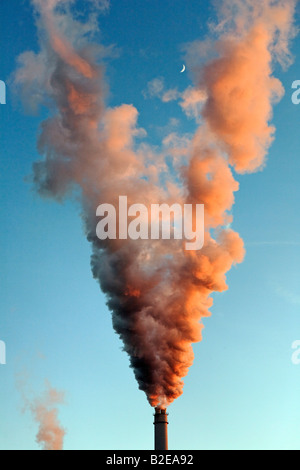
[{"x": 161, "y": 411}]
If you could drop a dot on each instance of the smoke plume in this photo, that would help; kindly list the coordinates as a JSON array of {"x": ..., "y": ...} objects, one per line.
[
  {"x": 158, "y": 293},
  {"x": 50, "y": 435},
  {"x": 44, "y": 410}
]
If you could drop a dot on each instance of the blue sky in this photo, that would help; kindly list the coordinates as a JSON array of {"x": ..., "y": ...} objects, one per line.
[{"x": 243, "y": 389}]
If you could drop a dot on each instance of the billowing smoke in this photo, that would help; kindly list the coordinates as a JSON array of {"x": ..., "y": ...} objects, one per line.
[
  {"x": 156, "y": 290},
  {"x": 239, "y": 83}
]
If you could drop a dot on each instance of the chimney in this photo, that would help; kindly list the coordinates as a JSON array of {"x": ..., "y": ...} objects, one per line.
[{"x": 161, "y": 429}]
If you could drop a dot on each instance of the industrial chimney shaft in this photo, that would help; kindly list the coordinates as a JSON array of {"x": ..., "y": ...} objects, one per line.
[{"x": 161, "y": 429}]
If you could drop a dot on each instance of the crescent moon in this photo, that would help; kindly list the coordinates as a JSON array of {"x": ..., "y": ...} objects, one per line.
[{"x": 183, "y": 69}]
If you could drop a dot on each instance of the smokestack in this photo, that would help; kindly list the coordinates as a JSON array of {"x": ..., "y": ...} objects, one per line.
[{"x": 161, "y": 429}]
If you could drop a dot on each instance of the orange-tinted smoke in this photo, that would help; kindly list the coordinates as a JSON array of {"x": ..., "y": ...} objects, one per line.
[
  {"x": 44, "y": 410},
  {"x": 239, "y": 83},
  {"x": 157, "y": 292}
]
